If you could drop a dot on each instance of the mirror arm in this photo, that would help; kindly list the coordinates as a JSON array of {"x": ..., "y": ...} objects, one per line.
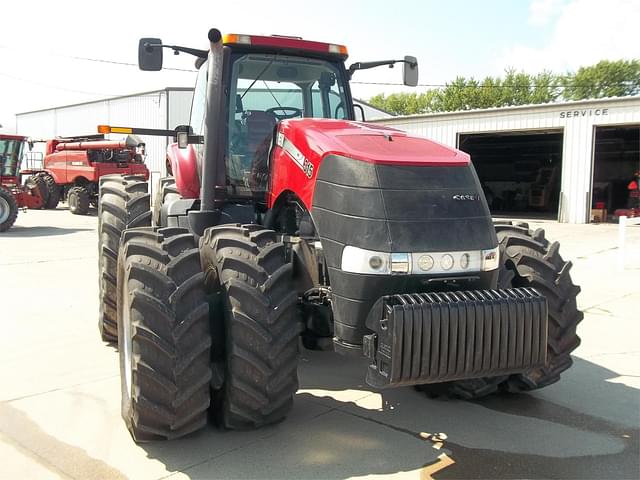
[
  {"x": 177, "y": 49},
  {"x": 366, "y": 65}
]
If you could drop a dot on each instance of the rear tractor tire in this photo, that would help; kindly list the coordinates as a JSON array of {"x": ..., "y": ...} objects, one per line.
[
  {"x": 255, "y": 375},
  {"x": 8, "y": 209},
  {"x": 164, "y": 338},
  {"x": 78, "y": 200},
  {"x": 530, "y": 260},
  {"x": 123, "y": 203}
]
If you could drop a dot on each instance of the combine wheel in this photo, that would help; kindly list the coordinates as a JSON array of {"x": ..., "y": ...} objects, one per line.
[
  {"x": 530, "y": 260},
  {"x": 8, "y": 209},
  {"x": 165, "y": 189},
  {"x": 53, "y": 190},
  {"x": 256, "y": 377},
  {"x": 78, "y": 200},
  {"x": 164, "y": 338},
  {"x": 36, "y": 184},
  {"x": 123, "y": 203}
]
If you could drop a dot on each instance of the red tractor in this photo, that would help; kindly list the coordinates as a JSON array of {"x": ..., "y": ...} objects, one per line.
[
  {"x": 73, "y": 166},
  {"x": 13, "y": 193},
  {"x": 286, "y": 222}
]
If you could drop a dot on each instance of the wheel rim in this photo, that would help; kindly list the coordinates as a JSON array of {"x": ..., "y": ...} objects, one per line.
[
  {"x": 72, "y": 201},
  {"x": 127, "y": 349},
  {"x": 5, "y": 210}
]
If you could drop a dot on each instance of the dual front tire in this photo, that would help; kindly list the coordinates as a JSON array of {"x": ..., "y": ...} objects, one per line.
[{"x": 204, "y": 330}]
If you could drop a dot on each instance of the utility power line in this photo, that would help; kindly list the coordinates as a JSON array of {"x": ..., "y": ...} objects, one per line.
[
  {"x": 113, "y": 62},
  {"x": 55, "y": 87},
  {"x": 101, "y": 60}
]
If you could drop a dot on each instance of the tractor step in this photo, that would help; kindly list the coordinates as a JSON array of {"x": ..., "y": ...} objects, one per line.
[{"x": 438, "y": 337}]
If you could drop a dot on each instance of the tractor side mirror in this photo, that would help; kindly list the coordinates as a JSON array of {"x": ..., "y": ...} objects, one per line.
[
  {"x": 410, "y": 71},
  {"x": 150, "y": 54}
]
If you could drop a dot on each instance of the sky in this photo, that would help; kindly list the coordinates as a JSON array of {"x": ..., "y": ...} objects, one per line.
[{"x": 53, "y": 53}]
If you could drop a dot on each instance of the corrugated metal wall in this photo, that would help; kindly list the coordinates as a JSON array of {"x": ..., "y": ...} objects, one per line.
[{"x": 578, "y": 129}]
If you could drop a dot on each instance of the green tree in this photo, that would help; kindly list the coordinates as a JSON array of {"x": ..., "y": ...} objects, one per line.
[{"x": 604, "y": 79}]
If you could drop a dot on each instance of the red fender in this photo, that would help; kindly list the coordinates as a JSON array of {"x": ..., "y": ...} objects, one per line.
[{"x": 185, "y": 170}]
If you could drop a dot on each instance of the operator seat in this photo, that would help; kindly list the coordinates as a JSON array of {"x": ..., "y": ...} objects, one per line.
[{"x": 260, "y": 125}]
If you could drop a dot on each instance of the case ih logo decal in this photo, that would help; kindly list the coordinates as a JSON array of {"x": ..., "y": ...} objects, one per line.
[
  {"x": 296, "y": 155},
  {"x": 463, "y": 198}
]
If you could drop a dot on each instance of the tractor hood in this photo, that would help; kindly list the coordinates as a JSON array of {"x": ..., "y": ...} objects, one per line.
[
  {"x": 367, "y": 142},
  {"x": 377, "y": 189}
]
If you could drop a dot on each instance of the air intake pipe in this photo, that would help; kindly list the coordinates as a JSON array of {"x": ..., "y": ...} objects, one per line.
[{"x": 213, "y": 121}]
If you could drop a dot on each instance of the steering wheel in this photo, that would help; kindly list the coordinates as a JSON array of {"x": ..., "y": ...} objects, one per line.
[{"x": 293, "y": 112}]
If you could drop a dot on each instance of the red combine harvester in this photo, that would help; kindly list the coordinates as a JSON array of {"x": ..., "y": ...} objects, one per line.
[
  {"x": 286, "y": 218},
  {"x": 13, "y": 194},
  {"x": 73, "y": 166}
]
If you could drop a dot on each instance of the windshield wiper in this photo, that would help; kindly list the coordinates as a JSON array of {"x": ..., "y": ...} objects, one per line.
[{"x": 259, "y": 76}]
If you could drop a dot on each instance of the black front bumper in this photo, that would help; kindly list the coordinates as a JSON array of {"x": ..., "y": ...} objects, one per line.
[{"x": 437, "y": 337}]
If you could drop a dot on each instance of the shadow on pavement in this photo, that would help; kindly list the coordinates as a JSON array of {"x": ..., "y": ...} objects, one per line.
[
  {"x": 60, "y": 459},
  {"x": 340, "y": 428},
  {"x": 18, "y": 231}
]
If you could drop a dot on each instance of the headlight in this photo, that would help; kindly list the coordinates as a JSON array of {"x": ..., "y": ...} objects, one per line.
[
  {"x": 359, "y": 260},
  {"x": 490, "y": 259},
  {"x": 465, "y": 259},
  {"x": 447, "y": 261},
  {"x": 425, "y": 262}
]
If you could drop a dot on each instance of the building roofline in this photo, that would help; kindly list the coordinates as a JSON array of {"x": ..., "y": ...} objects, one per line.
[
  {"x": 514, "y": 108},
  {"x": 119, "y": 97}
]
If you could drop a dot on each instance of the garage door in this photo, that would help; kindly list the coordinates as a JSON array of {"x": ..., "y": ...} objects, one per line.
[
  {"x": 520, "y": 172},
  {"x": 616, "y": 164}
]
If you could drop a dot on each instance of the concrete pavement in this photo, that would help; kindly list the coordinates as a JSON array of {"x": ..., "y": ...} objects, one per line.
[{"x": 59, "y": 394}]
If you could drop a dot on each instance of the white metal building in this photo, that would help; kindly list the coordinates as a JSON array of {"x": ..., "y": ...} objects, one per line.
[{"x": 590, "y": 148}]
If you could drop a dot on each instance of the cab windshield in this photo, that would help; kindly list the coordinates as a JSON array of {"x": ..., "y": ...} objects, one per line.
[
  {"x": 10, "y": 156},
  {"x": 267, "y": 88}
]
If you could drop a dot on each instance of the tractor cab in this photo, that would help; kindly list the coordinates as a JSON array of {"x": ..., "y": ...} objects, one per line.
[
  {"x": 267, "y": 79},
  {"x": 266, "y": 88},
  {"x": 246, "y": 85},
  {"x": 11, "y": 149}
]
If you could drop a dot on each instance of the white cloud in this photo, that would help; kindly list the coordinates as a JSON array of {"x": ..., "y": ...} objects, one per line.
[
  {"x": 585, "y": 32},
  {"x": 542, "y": 11}
]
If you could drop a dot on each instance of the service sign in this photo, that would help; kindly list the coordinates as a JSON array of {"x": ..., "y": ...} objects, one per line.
[{"x": 585, "y": 112}]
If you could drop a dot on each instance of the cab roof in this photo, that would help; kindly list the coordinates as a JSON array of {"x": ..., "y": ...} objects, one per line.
[{"x": 286, "y": 44}]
